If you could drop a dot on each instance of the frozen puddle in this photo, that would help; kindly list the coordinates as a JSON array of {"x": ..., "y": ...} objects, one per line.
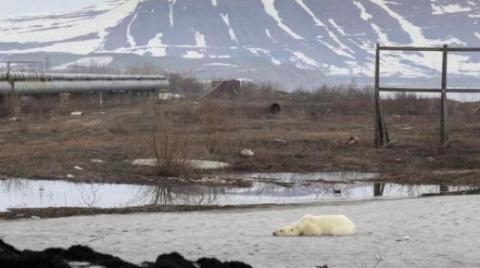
[{"x": 265, "y": 189}]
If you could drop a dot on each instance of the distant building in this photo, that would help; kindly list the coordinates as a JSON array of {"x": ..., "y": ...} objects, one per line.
[{"x": 224, "y": 89}]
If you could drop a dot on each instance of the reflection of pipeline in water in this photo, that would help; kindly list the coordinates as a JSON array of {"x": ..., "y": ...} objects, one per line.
[{"x": 181, "y": 194}]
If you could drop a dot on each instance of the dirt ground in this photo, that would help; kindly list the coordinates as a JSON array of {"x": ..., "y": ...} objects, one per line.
[
  {"x": 302, "y": 137},
  {"x": 439, "y": 232}
]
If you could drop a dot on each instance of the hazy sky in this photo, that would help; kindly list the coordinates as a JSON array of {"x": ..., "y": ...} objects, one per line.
[{"x": 14, "y": 7}]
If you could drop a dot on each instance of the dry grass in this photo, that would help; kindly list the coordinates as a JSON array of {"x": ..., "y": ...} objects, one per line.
[{"x": 309, "y": 134}]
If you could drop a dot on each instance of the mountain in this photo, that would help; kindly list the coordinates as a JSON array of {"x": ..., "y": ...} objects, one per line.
[{"x": 291, "y": 42}]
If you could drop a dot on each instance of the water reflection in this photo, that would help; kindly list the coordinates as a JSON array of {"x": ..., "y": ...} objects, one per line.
[
  {"x": 340, "y": 176},
  {"x": 180, "y": 194},
  {"x": 22, "y": 193}
]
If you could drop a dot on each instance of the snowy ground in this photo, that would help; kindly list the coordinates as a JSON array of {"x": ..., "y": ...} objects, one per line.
[{"x": 442, "y": 231}]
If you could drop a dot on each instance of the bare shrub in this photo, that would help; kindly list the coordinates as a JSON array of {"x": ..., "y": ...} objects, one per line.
[{"x": 172, "y": 149}]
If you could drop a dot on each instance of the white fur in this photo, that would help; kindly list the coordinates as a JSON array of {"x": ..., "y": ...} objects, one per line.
[{"x": 310, "y": 225}]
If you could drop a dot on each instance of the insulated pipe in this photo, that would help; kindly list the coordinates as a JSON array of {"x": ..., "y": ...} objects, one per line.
[
  {"x": 55, "y": 87},
  {"x": 21, "y": 76}
]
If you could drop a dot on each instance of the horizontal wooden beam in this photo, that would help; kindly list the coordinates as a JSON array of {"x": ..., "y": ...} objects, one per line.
[
  {"x": 463, "y": 90},
  {"x": 449, "y": 49},
  {"x": 429, "y": 90},
  {"x": 417, "y": 90},
  {"x": 411, "y": 48},
  {"x": 464, "y": 49}
]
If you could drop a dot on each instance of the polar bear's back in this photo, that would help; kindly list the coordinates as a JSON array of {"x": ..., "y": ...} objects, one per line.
[{"x": 329, "y": 224}]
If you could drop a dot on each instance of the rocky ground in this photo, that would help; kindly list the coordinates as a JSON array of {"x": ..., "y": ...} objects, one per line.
[{"x": 423, "y": 232}]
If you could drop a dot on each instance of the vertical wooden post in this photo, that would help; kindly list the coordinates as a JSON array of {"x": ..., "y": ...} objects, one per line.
[
  {"x": 377, "y": 97},
  {"x": 443, "y": 101},
  {"x": 101, "y": 99},
  {"x": 381, "y": 132},
  {"x": 378, "y": 189}
]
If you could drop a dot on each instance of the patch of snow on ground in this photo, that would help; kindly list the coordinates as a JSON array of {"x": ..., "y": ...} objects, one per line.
[
  {"x": 232, "y": 34},
  {"x": 197, "y": 164},
  {"x": 269, "y": 6},
  {"x": 477, "y": 35},
  {"x": 214, "y": 3}
]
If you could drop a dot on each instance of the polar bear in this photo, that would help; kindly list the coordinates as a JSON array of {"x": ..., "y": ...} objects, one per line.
[{"x": 310, "y": 225}]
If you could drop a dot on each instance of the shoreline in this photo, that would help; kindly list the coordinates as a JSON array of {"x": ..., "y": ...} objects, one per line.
[{"x": 66, "y": 212}]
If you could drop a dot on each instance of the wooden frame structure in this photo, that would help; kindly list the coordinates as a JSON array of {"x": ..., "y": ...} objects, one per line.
[{"x": 382, "y": 137}]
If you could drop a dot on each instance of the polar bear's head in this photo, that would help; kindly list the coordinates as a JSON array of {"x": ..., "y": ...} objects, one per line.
[{"x": 289, "y": 230}]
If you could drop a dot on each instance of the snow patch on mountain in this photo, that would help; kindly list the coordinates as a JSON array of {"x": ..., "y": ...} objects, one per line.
[
  {"x": 269, "y": 6},
  {"x": 415, "y": 32},
  {"x": 439, "y": 9},
  {"x": 220, "y": 64},
  {"x": 131, "y": 40},
  {"x": 50, "y": 31},
  {"x": 310, "y": 12},
  {"x": 170, "y": 12},
  {"x": 363, "y": 11},
  {"x": 86, "y": 62},
  {"x": 307, "y": 61},
  {"x": 231, "y": 32},
  {"x": 192, "y": 54},
  {"x": 282, "y": 40},
  {"x": 199, "y": 39},
  {"x": 156, "y": 46}
]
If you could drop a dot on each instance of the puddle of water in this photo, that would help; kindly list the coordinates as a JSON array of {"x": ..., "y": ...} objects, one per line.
[
  {"x": 23, "y": 193},
  {"x": 295, "y": 177}
]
